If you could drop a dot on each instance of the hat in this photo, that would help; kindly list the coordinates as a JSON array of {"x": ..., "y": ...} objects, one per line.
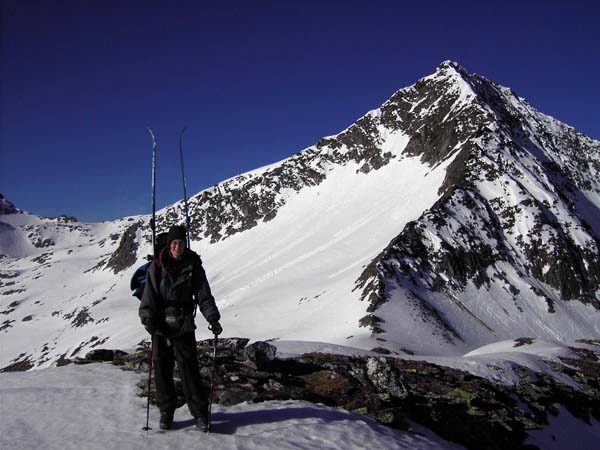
[{"x": 176, "y": 232}]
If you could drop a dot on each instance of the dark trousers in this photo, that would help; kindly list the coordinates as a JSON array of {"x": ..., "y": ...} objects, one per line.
[{"x": 183, "y": 349}]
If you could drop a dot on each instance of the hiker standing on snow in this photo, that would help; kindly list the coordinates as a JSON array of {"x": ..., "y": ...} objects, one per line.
[{"x": 167, "y": 312}]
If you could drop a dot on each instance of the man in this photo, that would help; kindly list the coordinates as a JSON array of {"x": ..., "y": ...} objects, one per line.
[{"x": 175, "y": 281}]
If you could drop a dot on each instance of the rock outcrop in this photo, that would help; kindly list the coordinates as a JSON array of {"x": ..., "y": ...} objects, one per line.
[{"x": 457, "y": 405}]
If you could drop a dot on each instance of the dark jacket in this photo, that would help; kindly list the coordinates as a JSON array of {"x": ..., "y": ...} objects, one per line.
[{"x": 172, "y": 289}]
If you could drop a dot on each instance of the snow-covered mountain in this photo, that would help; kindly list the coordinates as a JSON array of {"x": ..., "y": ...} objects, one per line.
[{"x": 453, "y": 216}]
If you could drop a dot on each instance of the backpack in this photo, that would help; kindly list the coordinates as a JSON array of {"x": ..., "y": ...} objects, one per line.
[{"x": 138, "y": 280}]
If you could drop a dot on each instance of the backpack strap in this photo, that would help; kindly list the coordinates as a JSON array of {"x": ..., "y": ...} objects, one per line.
[{"x": 161, "y": 271}]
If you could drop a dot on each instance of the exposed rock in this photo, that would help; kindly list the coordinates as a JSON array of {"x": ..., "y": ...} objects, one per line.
[
  {"x": 21, "y": 364},
  {"x": 260, "y": 353},
  {"x": 6, "y": 324},
  {"x": 456, "y": 405},
  {"x": 126, "y": 254},
  {"x": 63, "y": 361},
  {"x": 11, "y": 307},
  {"x": 101, "y": 355},
  {"x": 44, "y": 243},
  {"x": 43, "y": 258},
  {"x": 63, "y": 218},
  {"x": 79, "y": 318}
]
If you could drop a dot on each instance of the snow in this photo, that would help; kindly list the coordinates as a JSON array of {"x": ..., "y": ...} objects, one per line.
[
  {"x": 565, "y": 431},
  {"x": 319, "y": 243},
  {"x": 497, "y": 361},
  {"x": 95, "y": 407},
  {"x": 290, "y": 349}
]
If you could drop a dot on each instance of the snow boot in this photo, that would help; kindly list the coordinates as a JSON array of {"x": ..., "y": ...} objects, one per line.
[
  {"x": 201, "y": 424},
  {"x": 166, "y": 419}
]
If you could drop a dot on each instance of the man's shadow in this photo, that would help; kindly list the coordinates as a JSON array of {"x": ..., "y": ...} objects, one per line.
[{"x": 228, "y": 423}]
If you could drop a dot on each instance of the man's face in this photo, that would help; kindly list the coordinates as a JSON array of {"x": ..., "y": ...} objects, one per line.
[{"x": 177, "y": 247}]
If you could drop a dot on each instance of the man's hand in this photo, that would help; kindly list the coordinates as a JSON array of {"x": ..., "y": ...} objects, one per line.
[{"x": 216, "y": 328}]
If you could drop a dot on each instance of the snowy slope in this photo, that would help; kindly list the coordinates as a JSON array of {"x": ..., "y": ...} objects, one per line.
[
  {"x": 292, "y": 277},
  {"x": 454, "y": 216},
  {"x": 55, "y": 297},
  {"x": 95, "y": 407}
]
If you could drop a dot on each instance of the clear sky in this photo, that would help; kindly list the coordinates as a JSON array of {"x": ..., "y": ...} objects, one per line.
[{"x": 255, "y": 81}]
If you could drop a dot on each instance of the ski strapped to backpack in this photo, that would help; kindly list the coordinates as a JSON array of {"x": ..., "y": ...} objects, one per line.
[
  {"x": 185, "y": 199},
  {"x": 138, "y": 280}
]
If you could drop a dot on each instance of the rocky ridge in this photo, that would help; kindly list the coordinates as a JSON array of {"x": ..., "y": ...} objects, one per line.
[
  {"x": 457, "y": 405},
  {"x": 519, "y": 206}
]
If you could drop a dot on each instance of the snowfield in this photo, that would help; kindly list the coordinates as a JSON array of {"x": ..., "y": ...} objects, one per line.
[{"x": 95, "y": 407}]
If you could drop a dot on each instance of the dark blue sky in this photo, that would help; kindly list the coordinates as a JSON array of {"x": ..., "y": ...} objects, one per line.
[{"x": 254, "y": 81}]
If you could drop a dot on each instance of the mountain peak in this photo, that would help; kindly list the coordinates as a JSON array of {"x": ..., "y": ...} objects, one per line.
[
  {"x": 6, "y": 207},
  {"x": 449, "y": 67},
  {"x": 448, "y": 64}
]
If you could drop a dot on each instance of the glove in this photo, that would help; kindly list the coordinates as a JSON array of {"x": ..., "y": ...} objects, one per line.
[{"x": 216, "y": 328}]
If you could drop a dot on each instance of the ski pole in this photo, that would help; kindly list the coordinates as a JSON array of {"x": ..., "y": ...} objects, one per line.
[
  {"x": 147, "y": 427},
  {"x": 212, "y": 380}
]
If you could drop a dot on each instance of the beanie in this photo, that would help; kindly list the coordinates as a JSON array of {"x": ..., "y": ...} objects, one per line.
[{"x": 176, "y": 232}]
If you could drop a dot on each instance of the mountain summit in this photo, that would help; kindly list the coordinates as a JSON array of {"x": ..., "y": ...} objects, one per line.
[
  {"x": 453, "y": 216},
  {"x": 512, "y": 244}
]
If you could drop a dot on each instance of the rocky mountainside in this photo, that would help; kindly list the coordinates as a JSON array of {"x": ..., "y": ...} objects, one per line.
[
  {"x": 516, "y": 221},
  {"x": 516, "y": 225},
  {"x": 453, "y": 216}
]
